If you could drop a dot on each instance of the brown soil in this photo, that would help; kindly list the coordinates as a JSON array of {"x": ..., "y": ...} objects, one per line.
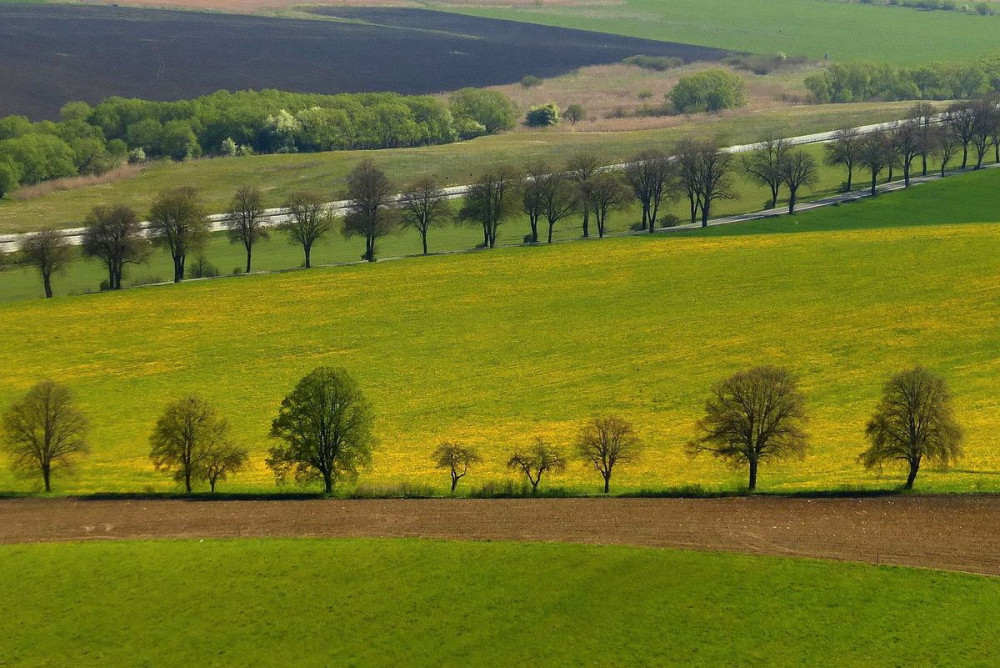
[{"x": 954, "y": 533}]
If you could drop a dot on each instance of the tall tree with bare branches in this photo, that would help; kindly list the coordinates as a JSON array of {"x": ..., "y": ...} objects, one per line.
[
  {"x": 536, "y": 460},
  {"x": 580, "y": 169},
  {"x": 456, "y": 459},
  {"x": 845, "y": 149},
  {"x": 424, "y": 206},
  {"x": 369, "y": 206},
  {"x": 652, "y": 177},
  {"x": 798, "y": 169},
  {"x": 606, "y": 442},
  {"x": 491, "y": 200},
  {"x": 177, "y": 222},
  {"x": 765, "y": 164},
  {"x": 114, "y": 236},
  {"x": 245, "y": 220},
  {"x": 308, "y": 220}
]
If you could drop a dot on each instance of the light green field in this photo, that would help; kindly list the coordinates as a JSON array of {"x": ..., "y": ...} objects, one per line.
[
  {"x": 407, "y": 602},
  {"x": 814, "y": 28},
  {"x": 458, "y": 163},
  {"x": 495, "y": 347}
]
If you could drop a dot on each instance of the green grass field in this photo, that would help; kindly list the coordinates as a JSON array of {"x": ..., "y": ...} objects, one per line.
[
  {"x": 364, "y": 602},
  {"x": 493, "y": 348},
  {"x": 813, "y": 28},
  {"x": 458, "y": 163}
]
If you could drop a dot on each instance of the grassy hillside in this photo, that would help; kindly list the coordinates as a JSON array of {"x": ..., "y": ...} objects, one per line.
[
  {"x": 815, "y": 28},
  {"x": 457, "y": 163},
  {"x": 439, "y": 603},
  {"x": 493, "y": 348}
]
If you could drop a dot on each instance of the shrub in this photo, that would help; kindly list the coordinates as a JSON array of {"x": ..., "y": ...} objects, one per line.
[
  {"x": 136, "y": 155},
  {"x": 574, "y": 113},
  {"x": 645, "y": 94},
  {"x": 542, "y": 116},
  {"x": 709, "y": 90},
  {"x": 656, "y": 63},
  {"x": 202, "y": 268},
  {"x": 531, "y": 81},
  {"x": 228, "y": 148},
  {"x": 490, "y": 109}
]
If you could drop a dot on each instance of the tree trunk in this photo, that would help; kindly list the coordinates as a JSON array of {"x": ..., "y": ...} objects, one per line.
[
  {"x": 187, "y": 480},
  {"x": 874, "y": 184},
  {"x": 705, "y": 206},
  {"x": 454, "y": 483},
  {"x": 111, "y": 277},
  {"x": 307, "y": 249},
  {"x": 923, "y": 160},
  {"x": 607, "y": 483},
  {"x": 774, "y": 197},
  {"x": 249, "y": 255},
  {"x": 423, "y": 240},
  {"x": 906, "y": 175},
  {"x": 47, "y": 283},
  {"x": 753, "y": 475},
  {"x": 211, "y": 484},
  {"x": 889, "y": 177},
  {"x": 178, "y": 268},
  {"x": 965, "y": 156},
  {"x": 328, "y": 482},
  {"x": 914, "y": 467},
  {"x": 46, "y": 476},
  {"x": 850, "y": 178},
  {"x": 534, "y": 229},
  {"x": 551, "y": 225},
  {"x": 694, "y": 209},
  {"x": 586, "y": 223},
  {"x": 791, "y": 201}
]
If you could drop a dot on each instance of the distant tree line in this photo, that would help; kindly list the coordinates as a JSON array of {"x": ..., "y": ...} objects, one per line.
[
  {"x": 94, "y": 139},
  {"x": 864, "y": 82},
  {"x": 324, "y": 431}
]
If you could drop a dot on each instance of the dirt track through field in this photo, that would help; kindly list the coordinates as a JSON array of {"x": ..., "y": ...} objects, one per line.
[{"x": 955, "y": 533}]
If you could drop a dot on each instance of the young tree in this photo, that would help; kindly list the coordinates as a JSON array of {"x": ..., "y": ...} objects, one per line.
[
  {"x": 490, "y": 201},
  {"x": 875, "y": 154},
  {"x": 536, "y": 460},
  {"x": 798, "y": 169},
  {"x": 753, "y": 416},
  {"x": 923, "y": 114},
  {"x": 325, "y": 425},
  {"x": 713, "y": 174},
  {"x": 532, "y": 198},
  {"x": 308, "y": 221},
  {"x": 48, "y": 252},
  {"x": 369, "y": 206},
  {"x": 906, "y": 138},
  {"x": 687, "y": 154},
  {"x": 765, "y": 165},
  {"x": 960, "y": 119},
  {"x": 651, "y": 175},
  {"x": 606, "y": 193},
  {"x": 580, "y": 169},
  {"x": 177, "y": 222},
  {"x": 605, "y": 442},
  {"x": 183, "y": 437},
  {"x": 559, "y": 199},
  {"x": 984, "y": 123},
  {"x": 223, "y": 460},
  {"x": 845, "y": 150},
  {"x": 946, "y": 145},
  {"x": 245, "y": 220},
  {"x": 575, "y": 113},
  {"x": 913, "y": 421},
  {"x": 423, "y": 206},
  {"x": 457, "y": 459},
  {"x": 114, "y": 236},
  {"x": 44, "y": 431}
]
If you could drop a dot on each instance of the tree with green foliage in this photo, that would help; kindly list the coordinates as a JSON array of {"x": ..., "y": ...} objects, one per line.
[
  {"x": 652, "y": 177},
  {"x": 44, "y": 432},
  {"x": 370, "y": 202},
  {"x": 177, "y": 222},
  {"x": 456, "y": 459},
  {"x": 535, "y": 461},
  {"x": 709, "y": 90},
  {"x": 183, "y": 438},
  {"x": 39, "y": 157},
  {"x": 913, "y": 422},
  {"x": 48, "y": 252},
  {"x": 489, "y": 109},
  {"x": 798, "y": 169},
  {"x": 114, "y": 236},
  {"x": 423, "y": 206},
  {"x": 308, "y": 220},
  {"x": 222, "y": 460},
  {"x": 606, "y": 442},
  {"x": 245, "y": 220},
  {"x": 325, "y": 425},
  {"x": 491, "y": 200},
  {"x": 765, "y": 165},
  {"x": 751, "y": 417},
  {"x": 845, "y": 149},
  {"x": 575, "y": 113},
  {"x": 10, "y": 176},
  {"x": 542, "y": 116}
]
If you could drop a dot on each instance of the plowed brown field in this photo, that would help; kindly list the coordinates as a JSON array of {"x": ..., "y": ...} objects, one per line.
[{"x": 955, "y": 533}]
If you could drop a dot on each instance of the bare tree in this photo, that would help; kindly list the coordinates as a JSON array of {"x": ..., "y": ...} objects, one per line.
[
  {"x": 960, "y": 118},
  {"x": 580, "y": 169},
  {"x": 923, "y": 114},
  {"x": 532, "y": 196},
  {"x": 753, "y": 416},
  {"x": 423, "y": 206},
  {"x": 490, "y": 201},
  {"x": 845, "y": 149},
  {"x": 457, "y": 459},
  {"x": 907, "y": 139},
  {"x": 177, "y": 222},
  {"x": 687, "y": 154},
  {"x": 798, "y": 169},
  {"x": 605, "y": 442},
  {"x": 946, "y": 145},
  {"x": 44, "y": 431},
  {"x": 875, "y": 154},
  {"x": 559, "y": 199},
  {"x": 309, "y": 220},
  {"x": 183, "y": 437},
  {"x": 606, "y": 193},
  {"x": 913, "y": 421},
  {"x": 984, "y": 123},
  {"x": 652, "y": 176},
  {"x": 536, "y": 460},
  {"x": 765, "y": 165},
  {"x": 369, "y": 206},
  {"x": 223, "y": 460},
  {"x": 48, "y": 252},
  {"x": 114, "y": 236},
  {"x": 714, "y": 178},
  {"x": 245, "y": 220}
]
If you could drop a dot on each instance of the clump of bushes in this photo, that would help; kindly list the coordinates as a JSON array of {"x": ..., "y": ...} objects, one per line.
[
  {"x": 542, "y": 116},
  {"x": 860, "y": 82},
  {"x": 656, "y": 63},
  {"x": 710, "y": 90},
  {"x": 531, "y": 81}
]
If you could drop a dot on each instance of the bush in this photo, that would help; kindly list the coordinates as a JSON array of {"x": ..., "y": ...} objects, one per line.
[
  {"x": 669, "y": 220},
  {"x": 531, "y": 81},
  {"x": 645, "y": 94},
  {"x": 490, "y": 109},
  {"x": 574, "y": 113},
  {"x": 202, "y": 268},
  {"x": 228, "y": 148},
  {"x": 136, "y": 155},
  {"x": 656, "y": 63},
  {"x": 709, "y": 90},
  {"x": 542, "y": 116}
]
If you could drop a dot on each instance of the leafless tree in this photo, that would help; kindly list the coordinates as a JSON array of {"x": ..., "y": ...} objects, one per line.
[
  {"x": 653, "y": 179},
  {"x": 114, "y": 236},
  {"x": 457, "y": 459},
  {"x": 753, "y": 416},
  {"x": 875, "y": 154},
  {"x": 845, "y": 149},
  {"x": 309, "y": 220},
  {"x": 984, "y": 123},
  {"x": 559, "y": 199},
  {"x": 48, "y": 252},
  {"x": 223, "y": 460},
  {"x": 580, "y": 169},
  {"x": 423, "y": 206},
  {"x": 923, "y": 114},
  {"x": 606, "y": 193},
  {"x": 946, "y": 145},
  {"x": 177, "y": 222},
  {"x": 687, "y": 154},
  {"x": 490, "y": 201},
  {"x": 183, "y": 437},
  {"x": 913, "y": 421},
  {"x": 906, "y": 138},
  {"x": 798, "y": 169},
  {"x": 44, "y": 431},
  {"x": 245, "y": 220},
  {"x": 369, "y": 206},
  {"x": 765, "y": 165},
  {"x": 713, "y": 174},
  {"x": 532, "y": 196},
  {"x": 606, "y": 442},
  {"x": 960, "y": 117},
  {"x": 540, "y": 457}
]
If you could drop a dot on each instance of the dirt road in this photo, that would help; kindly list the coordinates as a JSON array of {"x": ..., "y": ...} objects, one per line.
[{"x": 956, "y": 533}]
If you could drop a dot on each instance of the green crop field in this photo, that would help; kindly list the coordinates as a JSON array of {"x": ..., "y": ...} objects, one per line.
[
  {"x": 814, "y": 28},
  {"x": 315, "y": 602},
  {"x": 495, "y": 347}
]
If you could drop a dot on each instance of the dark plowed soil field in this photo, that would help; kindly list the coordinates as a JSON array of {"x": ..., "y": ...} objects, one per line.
[
  {"x": 955, "y": 533},
  {"x": 52, "y": 54}
]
